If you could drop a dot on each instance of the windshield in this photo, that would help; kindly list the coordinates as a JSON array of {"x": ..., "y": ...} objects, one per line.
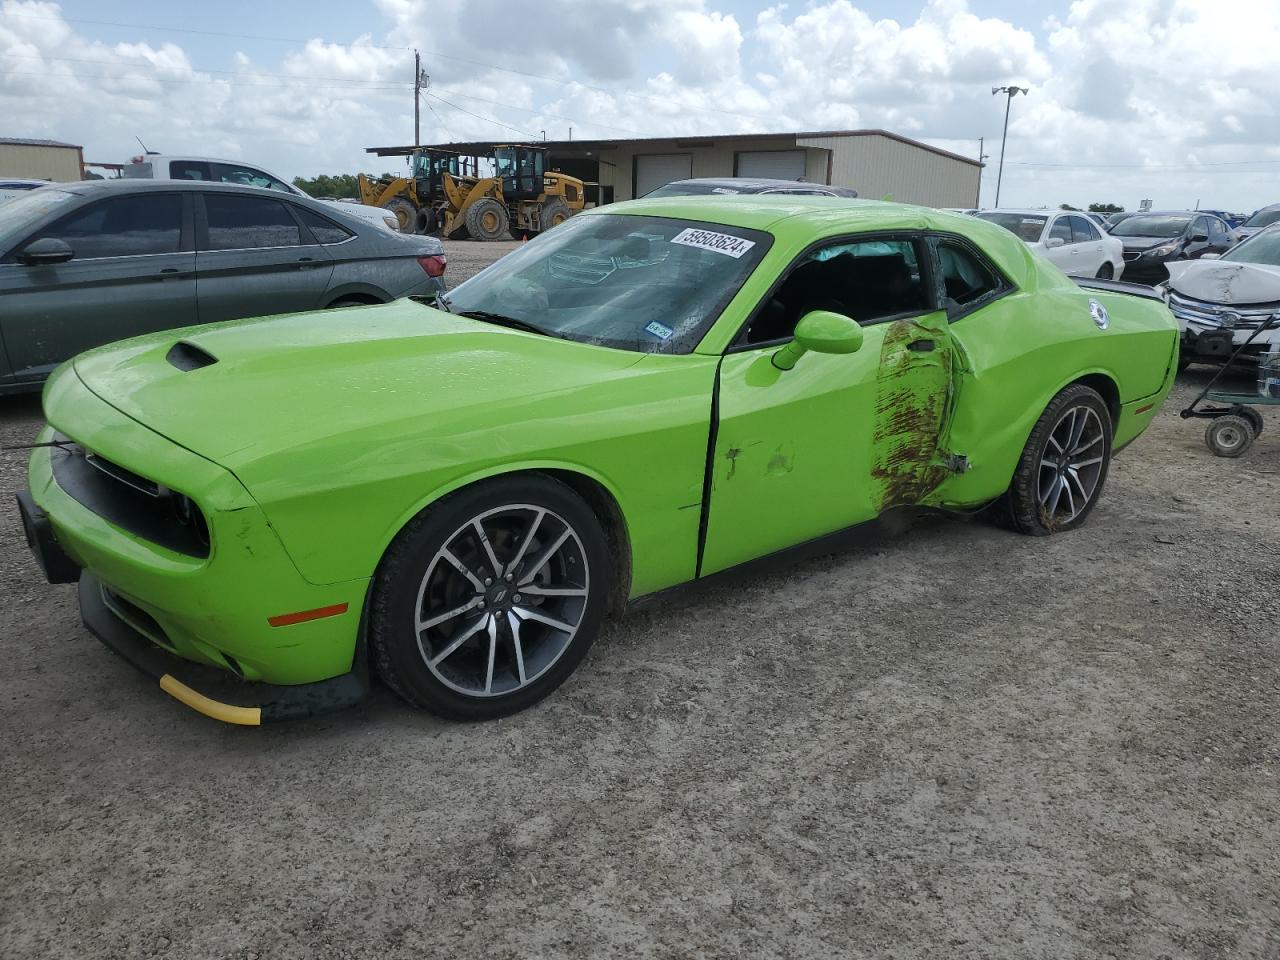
[
  {"x": 17, "y": 215},
  {"x": 1262, "y": 247},
  {"x": 696, "y": 188},
  {"x": 1157, "y": 225},
  {"x": 1022, "y": 225},
  {"x": 1264, "y": 218},
  {"x": 650, "y": 284}
]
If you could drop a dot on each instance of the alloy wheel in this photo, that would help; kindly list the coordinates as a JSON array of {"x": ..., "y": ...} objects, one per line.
[
  {"x": 502, "y": 600},
  {"x": 1071, "y": 465}
]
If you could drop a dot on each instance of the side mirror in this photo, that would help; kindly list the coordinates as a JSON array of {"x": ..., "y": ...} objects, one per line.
[
  {"x": 46, "y": 250},
  {"x": 1054, "y": 242},
  {"x": 1199, "y": 238},
  {"x": 822, "y": 332}
]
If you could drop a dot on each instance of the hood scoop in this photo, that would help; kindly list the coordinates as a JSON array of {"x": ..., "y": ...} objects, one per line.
[{"x": 186, "y": 356}]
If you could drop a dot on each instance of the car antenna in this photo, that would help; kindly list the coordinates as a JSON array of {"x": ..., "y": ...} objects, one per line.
[{"x": 149, "y": 153}]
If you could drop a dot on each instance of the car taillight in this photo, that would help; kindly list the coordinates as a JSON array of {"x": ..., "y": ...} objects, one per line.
[{"x": 433, "y": 265}]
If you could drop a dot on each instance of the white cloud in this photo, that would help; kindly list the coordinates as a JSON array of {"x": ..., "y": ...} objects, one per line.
[{"x": 1184, "y": 87}]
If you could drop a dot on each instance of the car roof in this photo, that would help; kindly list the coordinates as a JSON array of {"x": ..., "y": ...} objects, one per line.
[
  {"x": 750, "y": 183},
  {"x": 85, "y": 188},
  {"x": 1027, "y": 211}
]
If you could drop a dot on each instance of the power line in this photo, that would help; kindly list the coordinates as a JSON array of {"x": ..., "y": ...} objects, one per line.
[
  {"x": 523, "y": 133},
  {"x": 1142, "y": 166}
]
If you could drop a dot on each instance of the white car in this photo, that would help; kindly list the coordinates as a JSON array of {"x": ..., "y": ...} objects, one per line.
[
  {"x": 154, "y": 166},
  {"x": 1070, "y": 240},
  {"x": 11, "y": 187},
  {"x": 1220, "y": 302}
]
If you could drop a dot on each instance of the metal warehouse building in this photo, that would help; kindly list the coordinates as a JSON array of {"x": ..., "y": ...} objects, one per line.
[
  {"x": 41, "y": 159},
  {"x": 876, "y": 163}
]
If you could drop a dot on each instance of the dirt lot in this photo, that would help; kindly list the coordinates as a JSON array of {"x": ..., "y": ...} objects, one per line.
[{"x": 950, "y": 743}]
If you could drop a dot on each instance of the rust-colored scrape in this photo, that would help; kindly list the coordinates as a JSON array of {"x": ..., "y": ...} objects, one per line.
[{"x": 911, "y": 396}]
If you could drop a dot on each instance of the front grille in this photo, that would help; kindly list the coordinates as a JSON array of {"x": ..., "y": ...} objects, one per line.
[
  {"x": 1221, "y": 315},
  {"x": 130, "y": 501}
]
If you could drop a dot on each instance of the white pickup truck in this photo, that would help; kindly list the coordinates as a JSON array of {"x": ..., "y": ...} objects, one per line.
[{"x": 154, "y": 166}]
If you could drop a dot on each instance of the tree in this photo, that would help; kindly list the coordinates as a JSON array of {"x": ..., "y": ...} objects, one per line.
[
  {"x": 1105, "y": 208},
  {"x": 1067, "y": 206},
  {"x": 343, "y": 186}
]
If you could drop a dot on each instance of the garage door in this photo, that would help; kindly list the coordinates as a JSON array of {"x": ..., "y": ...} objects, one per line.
[
  {"x": 774, "y": 164},
  {"x": 659, "y": 169}
]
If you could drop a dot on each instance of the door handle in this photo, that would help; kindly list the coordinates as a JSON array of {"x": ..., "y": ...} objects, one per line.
[
  {"x": 306, "y": 263},
  {"x": 922, "y": 346},
  {"x": 172, "y": 273}
]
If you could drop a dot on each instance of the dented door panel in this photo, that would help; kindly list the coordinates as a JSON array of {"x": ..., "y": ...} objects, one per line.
[{"x": 832, "y": 443}]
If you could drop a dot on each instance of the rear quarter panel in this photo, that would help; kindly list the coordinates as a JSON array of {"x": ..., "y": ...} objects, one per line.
[{"x": 1018, "y": 353}]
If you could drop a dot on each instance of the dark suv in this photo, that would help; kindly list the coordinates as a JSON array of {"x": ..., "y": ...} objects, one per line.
[{"x": 1152, "y": 239}]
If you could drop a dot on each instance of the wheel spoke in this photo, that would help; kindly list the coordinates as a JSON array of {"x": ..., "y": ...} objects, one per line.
[
  {"x": 462, "y": 637},
  {"x": 1081, "y": 464},
  {"x": 462, "y": 569},
  {"x": 1056, "y": 493},
  {"x": 493, "y": 653},
  {"x": 1048, "y": 465},
  {"x": 1081, "y": 448},
  {"x": 525, "y": 544},
  {"x": 488, "y": 548},
  {"x": 1056, "y": 445},
  {"x": 544, "y": 556},
  {"x": 448, "y": 614},
  {"x": 514, "y": 622},
  {"x": 1073, "y": 474},
  {"x": 1071, "y": 499},
  {"x": 528, "y": 613},
  {"x": 541, "y": 591}
]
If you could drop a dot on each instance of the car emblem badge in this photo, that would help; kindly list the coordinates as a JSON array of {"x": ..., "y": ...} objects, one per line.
[{"x": 1099, "y": 314}]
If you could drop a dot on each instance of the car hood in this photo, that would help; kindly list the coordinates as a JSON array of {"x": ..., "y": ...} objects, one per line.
[
  {"x": 237, "y": 391},
  {"x": 1145, "y": 243},
  {"x": 1225, "y": 281}
]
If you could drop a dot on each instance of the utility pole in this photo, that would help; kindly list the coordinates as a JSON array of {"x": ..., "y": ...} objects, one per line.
[
  {"x": 982, "y": 159},
  {"x": 1010, "y": 92},
  {"x": 420, "y": 82}
]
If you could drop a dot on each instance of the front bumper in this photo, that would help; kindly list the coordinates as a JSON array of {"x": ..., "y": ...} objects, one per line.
[
  {"x": 214, "y": 610},
  {"x": 1145, "y": 270}
]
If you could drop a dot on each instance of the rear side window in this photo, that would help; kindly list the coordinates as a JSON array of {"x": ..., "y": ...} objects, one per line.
[
  {"x": 965, "y": 279},
  {"x": 245, "y": 223},
  {"x": 188, "y": 170},
  {"x": 123, "y": 227},
  {"x": 1083, "y": 230},
  {"x": 322, "y": 228}
]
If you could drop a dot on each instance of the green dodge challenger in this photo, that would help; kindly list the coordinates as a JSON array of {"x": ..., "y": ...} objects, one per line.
[{"x": 456, "y": 493}]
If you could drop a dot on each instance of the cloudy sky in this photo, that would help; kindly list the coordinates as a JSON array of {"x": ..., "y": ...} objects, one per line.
[{"x": 1174, "y": 100}]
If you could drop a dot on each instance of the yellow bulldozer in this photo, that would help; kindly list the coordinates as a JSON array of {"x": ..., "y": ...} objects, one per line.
[{"x": 447, "y": 192}]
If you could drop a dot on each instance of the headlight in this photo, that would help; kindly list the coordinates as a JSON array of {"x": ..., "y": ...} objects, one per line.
[{"x": 1162, "y": 251}]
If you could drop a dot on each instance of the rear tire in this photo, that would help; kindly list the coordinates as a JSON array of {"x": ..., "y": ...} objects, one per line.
[
  {"x": 406, "y": 213},
  {"x": 1064, "y": 465},
  {"x": 487, "y": 220},
  {"x": 1229, "y": 436},
  {"x": 426, "y": 222},
  {"x": 1106, "y": 271},
  {"x": 488, "y": 600}
]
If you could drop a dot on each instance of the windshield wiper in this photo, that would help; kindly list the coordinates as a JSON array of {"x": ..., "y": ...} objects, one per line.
[{"x": 504, "y": 321}]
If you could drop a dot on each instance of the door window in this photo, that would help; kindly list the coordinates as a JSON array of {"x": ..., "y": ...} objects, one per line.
[
  {"x": 1218, "y": 232},
  {"x": 1201, "y": 226},
  {"x": 123, "y": 227},
  {"x": 322, "y": 228},
  {"x": 1061, "y": 230},
  {"x": 966, "y": 280},
  {"x": 247, "y": 177},
  {"x": 1082, "y": 230},
  {"x": 868, "y": 280},
  {"x": 243, "y": 223}
]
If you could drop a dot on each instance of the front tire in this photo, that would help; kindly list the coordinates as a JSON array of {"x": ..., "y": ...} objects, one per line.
[
  {"x": 487, "y": 219},
  {"x": 405, "y": 212},
  {"x": 1064, "y": 464},
  {"x": 554, "y": 212},
  {"x": 488, "y": 600}
]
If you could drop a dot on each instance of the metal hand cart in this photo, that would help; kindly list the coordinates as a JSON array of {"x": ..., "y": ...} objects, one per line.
[{"x": 1232, "y": 428}]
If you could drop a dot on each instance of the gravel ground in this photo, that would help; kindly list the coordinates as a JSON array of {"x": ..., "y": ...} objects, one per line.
[{"x": 949, "y": 742}]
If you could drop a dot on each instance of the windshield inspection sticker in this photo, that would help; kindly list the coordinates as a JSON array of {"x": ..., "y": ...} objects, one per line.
[
  {"x": 659, "y": 330},
  {"x": 717, "y": 242},
  {"x": 725, "y": 191}
]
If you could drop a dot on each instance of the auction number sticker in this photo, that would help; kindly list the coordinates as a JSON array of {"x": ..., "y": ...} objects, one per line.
[
  {"x": 717, "y": 242},
  {"x": 659, "y": 330}
]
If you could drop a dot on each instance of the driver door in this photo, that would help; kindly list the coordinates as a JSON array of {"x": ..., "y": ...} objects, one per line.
[{"x": 838, "y": 439}]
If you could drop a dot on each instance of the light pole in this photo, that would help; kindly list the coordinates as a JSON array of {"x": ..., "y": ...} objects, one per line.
[{"x": 1010, "y": 92}]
